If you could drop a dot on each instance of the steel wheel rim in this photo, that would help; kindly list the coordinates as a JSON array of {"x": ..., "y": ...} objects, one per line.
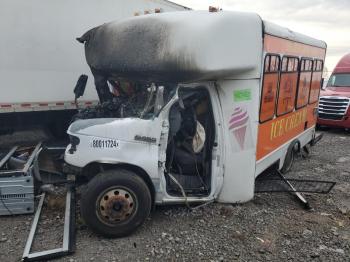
[{"x": 116, "y": 205}]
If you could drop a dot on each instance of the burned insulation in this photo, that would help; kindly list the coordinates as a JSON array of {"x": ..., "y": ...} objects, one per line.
[{"x": 175, "y": 47}]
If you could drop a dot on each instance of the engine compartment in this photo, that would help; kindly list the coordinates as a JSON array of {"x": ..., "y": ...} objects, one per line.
[{"x": 120, "y": 98}]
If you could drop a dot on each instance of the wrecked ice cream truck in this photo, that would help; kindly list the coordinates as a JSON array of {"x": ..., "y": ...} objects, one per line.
[{"x": 194, "y": 106}]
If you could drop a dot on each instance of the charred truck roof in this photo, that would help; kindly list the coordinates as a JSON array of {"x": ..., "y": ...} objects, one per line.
[{"x": 177, "y": 46}]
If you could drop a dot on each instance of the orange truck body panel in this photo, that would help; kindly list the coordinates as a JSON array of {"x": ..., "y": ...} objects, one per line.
[{"x": 288, "y": 122}]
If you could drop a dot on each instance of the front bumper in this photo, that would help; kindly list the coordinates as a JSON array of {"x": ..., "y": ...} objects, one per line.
[{"x": 344, "y": 122}]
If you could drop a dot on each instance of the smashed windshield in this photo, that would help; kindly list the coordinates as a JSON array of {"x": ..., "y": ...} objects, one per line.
[
  {"x": 339, "y": 80},
  {"x": 130, "y": 99}
]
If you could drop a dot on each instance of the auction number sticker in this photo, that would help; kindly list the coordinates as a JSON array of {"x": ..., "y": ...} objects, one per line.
[{"x": 104, "y": 143}]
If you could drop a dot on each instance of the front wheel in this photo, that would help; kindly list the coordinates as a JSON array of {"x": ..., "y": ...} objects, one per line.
[{"x": 115, "y": 203}]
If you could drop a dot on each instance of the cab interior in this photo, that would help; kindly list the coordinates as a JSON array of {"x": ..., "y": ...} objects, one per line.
[{"x": 190, "y": 144}]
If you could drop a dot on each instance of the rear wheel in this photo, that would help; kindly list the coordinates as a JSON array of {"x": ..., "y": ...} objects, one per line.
[
  {"x": 290, "y": 157},
  {"x": 115, "y": 203}
]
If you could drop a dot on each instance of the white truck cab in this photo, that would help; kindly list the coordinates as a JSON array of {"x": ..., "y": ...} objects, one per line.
[
  {"x": 150, "y": 141},
  {"x": 158, "y": 147}
]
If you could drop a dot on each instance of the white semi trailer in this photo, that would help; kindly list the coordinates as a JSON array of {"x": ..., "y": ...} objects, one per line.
[{"x": 40, "y": 59}]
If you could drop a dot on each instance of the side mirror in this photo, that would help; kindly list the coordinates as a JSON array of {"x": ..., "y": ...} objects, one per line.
[{"x": 79, "y": 88}]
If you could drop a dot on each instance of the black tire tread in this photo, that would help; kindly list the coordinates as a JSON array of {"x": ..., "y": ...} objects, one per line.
[
  {"x": 112, "y": 177},
  {"x": 290, "y": 157}
]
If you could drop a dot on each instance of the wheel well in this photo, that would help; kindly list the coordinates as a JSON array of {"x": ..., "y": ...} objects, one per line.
[{"x": 94, "y": 168}]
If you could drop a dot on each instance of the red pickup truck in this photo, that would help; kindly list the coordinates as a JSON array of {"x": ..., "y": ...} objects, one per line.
[{"x": 334, "y": 104}]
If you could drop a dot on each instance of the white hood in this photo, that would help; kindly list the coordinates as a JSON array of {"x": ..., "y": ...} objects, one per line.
[{"x": 124, "y": 129}]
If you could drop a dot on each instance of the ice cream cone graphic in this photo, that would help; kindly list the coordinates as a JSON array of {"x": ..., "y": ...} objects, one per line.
[{"x": 238, "y": 125}]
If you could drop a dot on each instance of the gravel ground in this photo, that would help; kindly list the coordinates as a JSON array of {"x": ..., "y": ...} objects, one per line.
[{"x": 272, "y": 227}]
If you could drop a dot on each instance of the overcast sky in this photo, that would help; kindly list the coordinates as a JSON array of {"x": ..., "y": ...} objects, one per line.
[{"x": 328, "y": 20}]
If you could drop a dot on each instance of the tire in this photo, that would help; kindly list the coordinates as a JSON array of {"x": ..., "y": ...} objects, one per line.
[
  {"x": 115, "y": 203},
  {"x": 290, "y": 157}
]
